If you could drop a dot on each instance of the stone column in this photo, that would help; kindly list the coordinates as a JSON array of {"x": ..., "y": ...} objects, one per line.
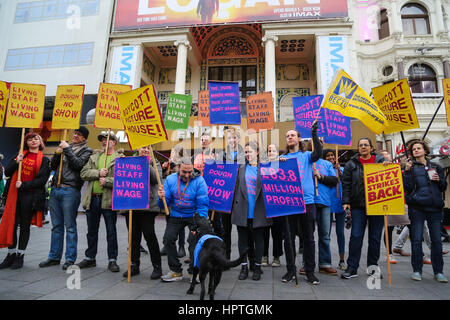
[
  {"x": 439, "y": 17},
  {"x": 180, "y": 81},
  {"x": 446, "y": 68},
  {"x": 270, "y": 42},
  {"x": 400, "y": 68}
]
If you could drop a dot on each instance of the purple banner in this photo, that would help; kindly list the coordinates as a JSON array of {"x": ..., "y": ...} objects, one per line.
[
  {"x": 305, "y": 112},
  {"x": 282, "y": 188},
  {"x": 224, "y": 102},
  {"x": 339, "y": 128}
]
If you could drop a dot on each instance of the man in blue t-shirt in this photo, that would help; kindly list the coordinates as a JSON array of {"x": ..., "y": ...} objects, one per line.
[{"x": 306, "y": 221}]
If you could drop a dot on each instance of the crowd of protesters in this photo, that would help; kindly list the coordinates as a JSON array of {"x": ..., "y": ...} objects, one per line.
[{"x": 340, "y": 197}]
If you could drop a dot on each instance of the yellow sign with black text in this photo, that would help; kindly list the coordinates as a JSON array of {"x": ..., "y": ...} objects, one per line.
[{"x": 68, "y": 104}]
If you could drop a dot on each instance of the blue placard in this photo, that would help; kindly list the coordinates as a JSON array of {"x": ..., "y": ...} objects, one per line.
[
  {"x": 131, "y": 183},
  {"x": 282, "y": 188},
  {"x": 339, "y": 128},
  {"x": 305, "y": 112},
  {"x": 224, "y": 102},
  {"x": 221, "y": 181}
]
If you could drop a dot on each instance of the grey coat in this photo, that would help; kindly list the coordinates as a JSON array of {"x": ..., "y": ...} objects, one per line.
[{"x": 239, "y": 211}]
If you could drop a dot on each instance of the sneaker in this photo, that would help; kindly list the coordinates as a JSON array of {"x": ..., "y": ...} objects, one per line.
[
  {"x": 157, "y": 272},
  {"x": 18, "y": 262},
  {"x": 134, "y": 270},
  {"x": 276, "y": 262},
  {"x": 342, "y": 265},
  {"x": 172, "y": 276},
  {"x": 265, "y": 261},
  {"x": 113, "y": 267},
  {"x": 257, "y": 273},
  {"x": 302, "y": 271},
  {"x": 401, "y": 252},
  {"x": 426, "y": 260},
  {"x": 392, "y": 259},
  {"x": 8, "y": 261},
  {"x": 67, "y": 264},
  {"x": 329, "y": 271},
  {"x": 312, "y": 279},
  {"x": 288, "y": 277},
  {"x": 439, "y": 277},
  {"x": 48, "y": 263},
  {"x": 348, "y": 274},
  {"x": 87, "y": 264},
  {"x": 181, "y": 252},
  {"x": 416, "y": 276}
]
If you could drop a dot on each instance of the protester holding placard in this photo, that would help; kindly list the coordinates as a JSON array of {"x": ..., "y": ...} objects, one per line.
[
  {"x": 25, "y": 199},
  {"x": 233, "y": 153},
  {"x": 336, "y": 208},
  {"x": 295, "y": 149},
  {"x": 97, "y": 201},
  {"x": 249, "y": 213},
  {"x": 65, "y": 197},
  {"x": 353, "y": 198},
  {"x": 326, "y": 177},
  {"x": 143, "y": 223},
  {"x": 424, "y": 183},
  {"x": 186, "y": 193},
  {"x": 276, "y": 228}
]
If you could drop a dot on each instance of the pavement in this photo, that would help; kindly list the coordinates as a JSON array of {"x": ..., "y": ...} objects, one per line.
[{"x": 52, "y": 283}]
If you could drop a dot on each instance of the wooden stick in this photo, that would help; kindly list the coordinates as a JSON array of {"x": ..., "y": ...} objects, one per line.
[
  {"x": 387, "y": 248},
  {"x": 314, "y": 165},
  {"x": 106, "y": 149},
  {"x": 130, "y": 227},
  {"x": 212, "y": 215},
  {"x": 159, "y": 180},
  {"x": 337, "y": 172},
  {"x": 22, "y": 140},
  {"x": 61, "y": 160}
]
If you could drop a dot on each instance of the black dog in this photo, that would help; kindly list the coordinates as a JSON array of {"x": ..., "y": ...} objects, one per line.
[{"x": 212, "y": 259}]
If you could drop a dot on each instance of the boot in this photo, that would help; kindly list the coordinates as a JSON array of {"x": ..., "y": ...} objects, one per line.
[
  {"x": 157, "y": 272},
  {"x": 8, "y": 261},
  {"x": 134, "y": 270},
  {"x": 257, "y": 273},
  {"x": 18, "y": 262},
  {"x": 244, "y": 272}
]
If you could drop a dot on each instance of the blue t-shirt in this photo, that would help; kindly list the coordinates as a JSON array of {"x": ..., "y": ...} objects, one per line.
[
  {"x": 306, "y": 173},
  {"x": 336, "y": 203},
  {"x": 250, "y": 181},
  {"x": 325, "y": 168},
  {"x": 199, "y": 247}
]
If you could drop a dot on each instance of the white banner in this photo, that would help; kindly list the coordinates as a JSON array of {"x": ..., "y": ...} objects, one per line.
[
  {"x": 333, "y": 54},
  {"x": 124, "y": 65}
]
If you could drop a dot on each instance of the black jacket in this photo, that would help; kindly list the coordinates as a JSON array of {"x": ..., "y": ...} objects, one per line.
[
  {"x": 421, "y": 192},
  {"x": 35, "y": 186},
  {"x": 72, "y": 165},
  {"x": 353, "y": 182}
]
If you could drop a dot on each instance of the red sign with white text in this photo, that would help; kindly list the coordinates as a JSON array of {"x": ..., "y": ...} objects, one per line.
[{"x": 138, "y": 14}]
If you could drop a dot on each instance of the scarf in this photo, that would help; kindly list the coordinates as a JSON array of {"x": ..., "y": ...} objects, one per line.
[
  {"x": 76, "y": 147},
  {"x": 9, "y": 215}
]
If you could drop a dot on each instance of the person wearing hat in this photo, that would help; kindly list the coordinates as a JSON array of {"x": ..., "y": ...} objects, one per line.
[
  {"x": 97, "y": 201},
  {"x": 65, "y": 197}
]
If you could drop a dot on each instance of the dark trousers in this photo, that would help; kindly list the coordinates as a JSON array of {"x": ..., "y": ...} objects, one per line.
[
  {"x": 390, "y": 230},
  {"x": 251, "y": 240},
  {"x": 181, "y": 235},
  {"x": 143, "y": 223},
  {"x": 305, "y": 223},
  {"x": 277, "y": 236},
  {"x": 227, "y": 228},
  {"x": 174, "y": 225},
  {"x": 93, "y": 216},
  {"x": 24, "y": 215},
  {"x": 217, "y": 223}
]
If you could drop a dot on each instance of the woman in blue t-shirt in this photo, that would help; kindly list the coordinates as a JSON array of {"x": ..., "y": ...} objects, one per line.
[{"x": 249, "y": 214}]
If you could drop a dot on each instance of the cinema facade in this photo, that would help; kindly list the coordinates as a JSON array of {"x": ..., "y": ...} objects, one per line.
[{"x": 288, "y": 47}]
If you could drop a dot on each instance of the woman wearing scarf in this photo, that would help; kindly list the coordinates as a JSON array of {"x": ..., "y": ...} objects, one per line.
[{"x": 25, "y": 199}]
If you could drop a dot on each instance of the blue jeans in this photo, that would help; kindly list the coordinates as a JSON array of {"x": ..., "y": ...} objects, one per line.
[
  {"x": 359, "y": 223},
  {"x": 324, "y": 230},
  {"x": 340, "y": 225},
  {"x": 63, "y": 206},
  {"x": 416, "y": 232},
  {"x": 93, "y": 216}
]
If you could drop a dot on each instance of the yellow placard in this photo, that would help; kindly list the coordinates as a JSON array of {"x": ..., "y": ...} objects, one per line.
[
  {"x": 346, "y": 97},
  {"x": 25, "y": 105},
  {"x": 384, "y": 189},
  {"x": 395, "y": 101},
  {"x": 141, "y": 117},
  {"x": 446, "y": 86},
  {"x": 107, "y": 113},
  {"x": 68, "y": 104},
  {"x": 4, "y": 93}
]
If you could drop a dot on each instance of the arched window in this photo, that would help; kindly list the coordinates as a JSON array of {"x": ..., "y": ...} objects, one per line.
[
  {"x": 422, "y": 79},
  {"x": 383, "y": 32},
  {"x": 415, "y": 19}
]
